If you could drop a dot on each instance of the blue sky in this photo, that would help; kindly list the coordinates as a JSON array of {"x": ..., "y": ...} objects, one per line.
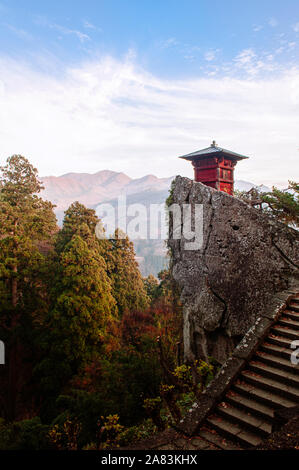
[
  {"x": 170, "y": 37},
  {"x": 130, "y": 85}
]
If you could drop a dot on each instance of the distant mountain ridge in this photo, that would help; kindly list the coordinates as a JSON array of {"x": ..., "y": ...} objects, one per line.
[{"x": 92, "y": 189}]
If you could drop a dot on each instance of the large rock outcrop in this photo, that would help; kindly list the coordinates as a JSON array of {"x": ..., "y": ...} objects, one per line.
[{"x": 245, "y": 258}]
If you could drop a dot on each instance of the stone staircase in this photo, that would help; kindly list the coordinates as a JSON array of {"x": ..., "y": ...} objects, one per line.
[{"x": 268, "y": 382}]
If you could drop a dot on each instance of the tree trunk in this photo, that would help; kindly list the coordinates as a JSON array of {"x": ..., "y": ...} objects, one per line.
[
  {"x": 14, "y": 287},
  {"x": 14, "y": 282},
  {"x": 12, "y": 383}
]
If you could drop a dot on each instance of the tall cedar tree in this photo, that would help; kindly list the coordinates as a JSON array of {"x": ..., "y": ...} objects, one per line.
[
  {"x": 76, "y": 215},
  {"x": 127, "y": 282},
  {"x": 26, "y": 221},
  {"x": 84, "y": 302},
  {"x": 83, "y": 306}
]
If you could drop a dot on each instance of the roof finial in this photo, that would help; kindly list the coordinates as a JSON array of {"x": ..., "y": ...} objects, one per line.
[{"x": 214, "y": 144}]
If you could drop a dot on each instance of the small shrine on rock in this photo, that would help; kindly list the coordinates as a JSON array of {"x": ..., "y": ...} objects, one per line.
[{"x": 214, "y": 167}]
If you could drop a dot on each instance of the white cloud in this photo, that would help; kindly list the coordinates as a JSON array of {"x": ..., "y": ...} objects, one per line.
[
  {"x": 170, "y": 42},
  {"x": 112, "y": 114},
  {"x": 245, "y": 56},
  {"x": 66, "y": 31},
  {"x": 190, "y": 57},
  {"x": 273, "y": 22},
  {"x": 89, "y": 25},
  {"x": 257, "y": 27},
  {"x": 21, "y": 33},
  {"x": 210, "y": 55},
  {"x": 44, "y": 22},
  {"x": 252, "y": 64},
  {"x": 296, "y": 27}
]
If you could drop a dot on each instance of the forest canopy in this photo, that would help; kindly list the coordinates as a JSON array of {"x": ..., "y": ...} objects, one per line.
[{"x": 88, "y": 341}]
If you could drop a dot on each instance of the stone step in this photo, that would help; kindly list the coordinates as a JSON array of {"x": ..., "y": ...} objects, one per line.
[
  {"x": 275, "y": 350},
  {"x": 250, "y": 405},
  {"x": 279, "y": 340},
  {"x": 263, "y": 396},
  {"x": 222, "y": 443},
  {"x": 233, "y": 432},
  {"x": 282, "y": 376},
  {"x": 277, "y": 361},
  {"x": 244, "y": 419},
  {"x": 285, "y": 332},
  {"x": 272, "y": 385},
  {"x": 285, "y": 321},
  {"x": 291, "y": 314},
  {"x": 294, "y": 306}
]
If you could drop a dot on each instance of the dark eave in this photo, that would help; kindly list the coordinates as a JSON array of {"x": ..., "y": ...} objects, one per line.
[{"x": 213, "y": 150}]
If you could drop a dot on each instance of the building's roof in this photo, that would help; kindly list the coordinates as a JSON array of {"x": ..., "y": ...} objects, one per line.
[{"x": 213, "y": 149}]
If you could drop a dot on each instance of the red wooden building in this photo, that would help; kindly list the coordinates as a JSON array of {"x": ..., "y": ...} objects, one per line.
[{"x": 214, "y": 166}]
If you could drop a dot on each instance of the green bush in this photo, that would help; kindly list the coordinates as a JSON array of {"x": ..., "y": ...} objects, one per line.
[{"x": 29, "y": 434}]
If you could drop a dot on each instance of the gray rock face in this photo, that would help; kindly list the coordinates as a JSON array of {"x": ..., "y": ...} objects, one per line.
[{"x": 245, "y": 258}]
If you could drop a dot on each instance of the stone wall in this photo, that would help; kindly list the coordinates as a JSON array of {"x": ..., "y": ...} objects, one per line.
[{"x": 246, "y": 257}]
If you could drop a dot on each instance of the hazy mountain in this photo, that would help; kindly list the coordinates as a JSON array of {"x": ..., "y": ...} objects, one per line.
[
  {"x": 106, "y": 186},
  {"x": 92, "y": 189},
  {"x": 246, "y": 186}
]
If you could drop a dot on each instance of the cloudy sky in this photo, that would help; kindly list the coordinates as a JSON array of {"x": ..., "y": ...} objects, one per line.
[{"x": 130, "y": 85}]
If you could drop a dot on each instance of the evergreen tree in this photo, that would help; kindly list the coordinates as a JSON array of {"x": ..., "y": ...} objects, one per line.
[
  {"x": 127, "y": 283},
  {"x": 151, "y": 285},
  {"x": 84, "y": 302},
  {"x": 76, "y": 215},
  {"x": 83, "y": 307},
  {"x": 284, "y": 205},
  {"x": 26, "y": 220}
]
